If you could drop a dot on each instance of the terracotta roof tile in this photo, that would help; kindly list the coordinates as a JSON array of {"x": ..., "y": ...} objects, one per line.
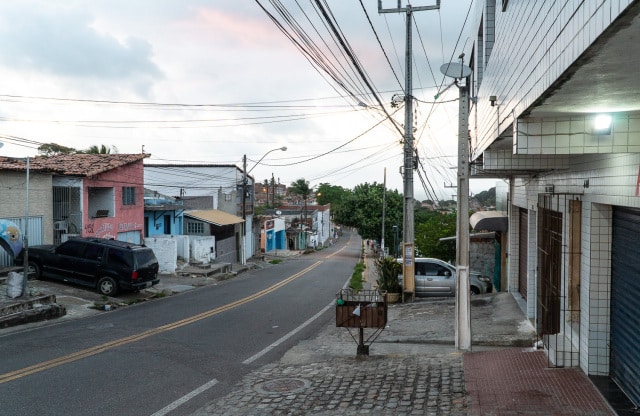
[{"x": 73, "y": 164}]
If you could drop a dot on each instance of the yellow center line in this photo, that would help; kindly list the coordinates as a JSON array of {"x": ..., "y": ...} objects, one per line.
[{"x": 65, "y": 359}]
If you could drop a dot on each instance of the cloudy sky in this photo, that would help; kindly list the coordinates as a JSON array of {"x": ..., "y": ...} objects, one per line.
[{"x": 209, "y": 81}]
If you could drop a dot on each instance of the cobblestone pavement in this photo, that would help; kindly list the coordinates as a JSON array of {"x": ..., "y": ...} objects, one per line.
[
  {"x": 373, "y": 385},
  {"x": 408, "y": 385}
]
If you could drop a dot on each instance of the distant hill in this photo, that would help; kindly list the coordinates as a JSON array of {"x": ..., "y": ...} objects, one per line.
[{"x": 486, "y": 198}]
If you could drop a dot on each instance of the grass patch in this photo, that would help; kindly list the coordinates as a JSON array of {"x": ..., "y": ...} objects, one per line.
[
  {"x": 275, "y": 261},
  {"x": 355, "y": 282}
]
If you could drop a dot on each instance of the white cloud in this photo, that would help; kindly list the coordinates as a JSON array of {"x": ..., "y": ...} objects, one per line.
[
  {"x": 61, "y": 42},
  {"x": 218, "y": 52}
]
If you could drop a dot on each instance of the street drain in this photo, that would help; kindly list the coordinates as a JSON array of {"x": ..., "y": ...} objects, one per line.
[{"x": 282, "y": 386}]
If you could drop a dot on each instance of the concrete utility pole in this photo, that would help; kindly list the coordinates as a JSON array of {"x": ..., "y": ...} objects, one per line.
[
  {"x": 408, "y": 225},
  {"x": 463, "y": 307},
  {"x": 244, "y": 197},
  {"x": 384, "y": 202},
  {"x": 243, "y": 255},
  {"x": 460, "y": 71}
]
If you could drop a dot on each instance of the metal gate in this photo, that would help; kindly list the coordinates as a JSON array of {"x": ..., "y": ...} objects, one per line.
[
  {"x": 625, "y": 292},
  {"x": 550, "y": 266},
  {"x": 523, "y": 241}
]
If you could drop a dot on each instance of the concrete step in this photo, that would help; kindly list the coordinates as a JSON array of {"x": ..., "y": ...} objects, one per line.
[
  {"x": 205, "y": 269},
  {"x": 33, "y": 309}
]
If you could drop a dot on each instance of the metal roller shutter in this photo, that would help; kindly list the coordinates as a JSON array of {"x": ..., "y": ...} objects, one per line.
[{"x": 625, "y": 292}]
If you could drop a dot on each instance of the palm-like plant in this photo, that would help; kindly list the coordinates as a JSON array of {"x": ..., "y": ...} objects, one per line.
[
  {"x": 100, "y": 150},
  {"x": 301, "y": 188},
  {"x": 388, "y": 270}
]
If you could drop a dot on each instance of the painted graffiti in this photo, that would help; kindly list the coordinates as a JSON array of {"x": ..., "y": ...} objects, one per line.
[
  {"x": 106, "y": 230},
  {"x": 11, "y": 236}
]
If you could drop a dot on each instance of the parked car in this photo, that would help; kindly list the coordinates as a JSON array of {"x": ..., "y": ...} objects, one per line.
[
  {"x": 434, "y": 277},
  {"x": 105, "y": 265}
]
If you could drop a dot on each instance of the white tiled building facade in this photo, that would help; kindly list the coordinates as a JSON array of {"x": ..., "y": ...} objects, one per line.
[{"x": 541, "y": 72}]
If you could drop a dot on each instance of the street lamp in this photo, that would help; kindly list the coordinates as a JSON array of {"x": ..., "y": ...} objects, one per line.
[
  {"x": 244, "y": 197},
  {"x": 283, "y": 148}
]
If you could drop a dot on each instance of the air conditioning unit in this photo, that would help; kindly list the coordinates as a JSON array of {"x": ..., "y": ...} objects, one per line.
[{"x": 60, "y": 226}]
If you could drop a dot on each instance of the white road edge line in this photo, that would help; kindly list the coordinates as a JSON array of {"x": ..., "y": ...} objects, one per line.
[
  {"x": 289, "y": 335},
  {"x": 185, "y": 398}
]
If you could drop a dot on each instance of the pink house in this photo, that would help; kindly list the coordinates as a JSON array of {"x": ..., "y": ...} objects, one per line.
[{"x": 96, "y": 195}]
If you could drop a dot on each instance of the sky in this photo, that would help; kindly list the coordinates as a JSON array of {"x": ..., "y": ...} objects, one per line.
[{"x": 213, "y": 81}]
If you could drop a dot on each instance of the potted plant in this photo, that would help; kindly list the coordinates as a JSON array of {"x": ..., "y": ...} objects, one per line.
[{"x": 388, "y": 270}]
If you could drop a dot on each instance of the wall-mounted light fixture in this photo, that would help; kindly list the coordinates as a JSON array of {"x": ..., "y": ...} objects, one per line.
[
  {"x": 493, "y": 100},
  {"x": 602, "y": 124}
]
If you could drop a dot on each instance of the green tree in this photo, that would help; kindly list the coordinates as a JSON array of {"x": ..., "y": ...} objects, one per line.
[
  {"x": 436, "y": 225},
  {"x": 362, "y": 209},
  {"x": 101, "y": 150},
  {"x": 336, "y": 196},
  {"x": 301, "y": 188},
  {"x": 50, "y": 149}
]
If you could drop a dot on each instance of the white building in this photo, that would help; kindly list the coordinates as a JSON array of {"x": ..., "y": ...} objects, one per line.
[
  {"x": 543, "y": 71},
  {"x": 207, "y": 187}
]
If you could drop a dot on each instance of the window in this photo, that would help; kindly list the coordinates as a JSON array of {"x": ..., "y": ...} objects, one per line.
[
  {"x": 195, "y": 228},
  {"x": 71, "y": 248},
  {"x": 227, "y": 197},
  {"x": 120, "y": 258},
  {"x": 128, "y": 195},
  {"x": 93, "y": 252}
]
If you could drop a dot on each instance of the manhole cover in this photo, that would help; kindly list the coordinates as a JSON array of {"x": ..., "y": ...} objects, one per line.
[{"x": 282, "y": 386}]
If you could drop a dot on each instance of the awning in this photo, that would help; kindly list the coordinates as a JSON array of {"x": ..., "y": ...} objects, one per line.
[
  {"x": 214, "y": 216},
  {"x": 489, "y": 221}
]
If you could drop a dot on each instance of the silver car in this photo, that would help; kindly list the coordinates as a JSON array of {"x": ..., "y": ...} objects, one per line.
[{"x": 434, "y": 277}]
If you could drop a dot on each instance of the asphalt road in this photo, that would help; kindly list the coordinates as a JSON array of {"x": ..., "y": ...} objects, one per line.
[{"x": 171, "y": 356}]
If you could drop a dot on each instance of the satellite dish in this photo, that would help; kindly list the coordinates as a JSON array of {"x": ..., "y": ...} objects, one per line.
[
  {"x": 455, "y": 70},
  {"x": 278, "y": 212}
]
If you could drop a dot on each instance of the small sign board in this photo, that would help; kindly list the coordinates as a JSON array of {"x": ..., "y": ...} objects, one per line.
[{"x": 408, "y": 269}]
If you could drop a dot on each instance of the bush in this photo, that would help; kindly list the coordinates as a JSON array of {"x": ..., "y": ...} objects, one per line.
[
  {"x": 356, "y": 277},
  {"x": 388, "y": 270}
]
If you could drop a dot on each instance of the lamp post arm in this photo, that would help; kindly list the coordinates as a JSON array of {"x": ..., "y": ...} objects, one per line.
[{"x": 283, "y": 148}]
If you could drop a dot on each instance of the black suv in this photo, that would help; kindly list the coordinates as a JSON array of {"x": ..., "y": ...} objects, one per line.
[{"x": 103, "y": 264}]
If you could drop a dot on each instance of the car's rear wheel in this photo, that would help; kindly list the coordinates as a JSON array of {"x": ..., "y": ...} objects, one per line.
[
  {"x": 33, "y": 270},
  {"x": 107, "y": 286},
  {"x": 474, "y": 290}
]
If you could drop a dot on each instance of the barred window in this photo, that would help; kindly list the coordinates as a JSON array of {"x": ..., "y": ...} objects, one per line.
[
  {"x": 195, "y": 228},
  {"x": 128, "y": 195}
]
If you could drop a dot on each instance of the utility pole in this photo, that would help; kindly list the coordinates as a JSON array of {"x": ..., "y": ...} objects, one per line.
[
  {"x": 243, "y": 256},
  {"x": 384, "y": 197},
  {"x": 463, "y": 306},
  {"x": 408, "y": 216},
  {"x": 273, "y": 191}
]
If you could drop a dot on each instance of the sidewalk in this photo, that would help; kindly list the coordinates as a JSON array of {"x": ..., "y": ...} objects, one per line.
[{"x": 414, "y": 368}]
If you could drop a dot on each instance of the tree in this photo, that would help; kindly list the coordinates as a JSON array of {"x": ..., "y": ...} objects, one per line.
[
  {"x": 436, "y": 225},
  {"x": 50, "y": 149},
  {"x": 301, "y": 188},
  {"x": 101, "y": 150},
  {"x": 362, "y": 209},
  {"x": 336, "y": 196}
]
